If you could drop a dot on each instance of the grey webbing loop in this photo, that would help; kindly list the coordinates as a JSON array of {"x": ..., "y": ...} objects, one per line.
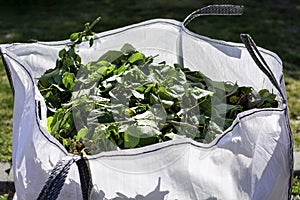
[
  {"x": 56, "y": 180},
  {"x": 208, "y": 10},
  {"x": 260, "y": 62},
  {"x": 58, "y": 177},
  {"x": 214, "y": 10}
]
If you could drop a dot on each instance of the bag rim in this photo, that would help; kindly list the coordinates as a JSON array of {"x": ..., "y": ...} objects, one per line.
[{"x": 6, "y": 50}]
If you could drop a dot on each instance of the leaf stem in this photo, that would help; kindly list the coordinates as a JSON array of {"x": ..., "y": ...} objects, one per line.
[
  {"x": 184, "y": 124},
  {"x": 110, "y": 123},
  {"x": 191, "y": 108}
]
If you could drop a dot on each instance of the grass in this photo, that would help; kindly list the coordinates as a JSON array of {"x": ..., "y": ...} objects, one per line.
[
  {"x": 296, "y": 186},
  {"x": 7, "y": 196},
  {"x": 4, "y": 197},
  {"x": 272, "y": 24},
  {"x": 6, "y": 110},
  {"x": 292, "y": 88}
]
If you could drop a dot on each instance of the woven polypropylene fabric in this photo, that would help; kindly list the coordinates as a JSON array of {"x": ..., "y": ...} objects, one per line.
[{"x": 253, "y": 157}]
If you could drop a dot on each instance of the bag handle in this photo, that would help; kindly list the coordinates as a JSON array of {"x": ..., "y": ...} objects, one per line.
[
  {"x": 214, "y": 10},
  {"x": 261, "y": 62},
  {"x": 58, "y": 176},
  {"x": 208, "y": 10},
  {"x": 246, "y": 39}
]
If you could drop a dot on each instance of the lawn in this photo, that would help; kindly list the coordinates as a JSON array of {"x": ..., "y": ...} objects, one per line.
[
  {"x": 272, "y": 24},
  {"x": 5, "y": 117}
]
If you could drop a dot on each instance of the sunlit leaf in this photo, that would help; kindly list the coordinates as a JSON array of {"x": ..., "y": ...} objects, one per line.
[
  {"x": 138, "y": 56},
  {"x": 68, "y": 80},
  {"x": 74, "y": 36}
]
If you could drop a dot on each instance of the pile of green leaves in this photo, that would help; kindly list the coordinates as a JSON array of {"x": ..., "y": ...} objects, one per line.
[
  {"x": 126, "y": 100},
  {"x": 56, "y": 85}
]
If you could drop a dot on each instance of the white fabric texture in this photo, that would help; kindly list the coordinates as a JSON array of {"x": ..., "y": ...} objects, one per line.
[{"x": 250, "y": 160}]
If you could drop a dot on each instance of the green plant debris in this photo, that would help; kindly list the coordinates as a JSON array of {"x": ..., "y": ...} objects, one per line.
[
  {"x": 296, "y": 186},
  {"x": 19, "y": 25},
  {"x": 4, "y": 197},
  {"x": 126, "y": 100}
]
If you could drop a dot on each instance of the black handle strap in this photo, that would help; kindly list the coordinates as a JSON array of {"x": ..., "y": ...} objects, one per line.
[
  {"x": 261, "y": 62},
  {"x": 85, "y": 178},
  {"x": 214, "y": 10},
  {"x": 58, "y": 177}
]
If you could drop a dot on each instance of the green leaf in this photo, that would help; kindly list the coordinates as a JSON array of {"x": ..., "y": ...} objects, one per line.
[
  {"x": 233, "y": 99},
  {"x": 167, "y": 104},
  {"x": 184, "y": 130},
  {"x": 174, "y": 136},
  {"x": 246, "y": 90},
  {"x": 120, "y": 70},
  {"x": 224, "y": 108},
  {"x": 91, "y": 42},
  {"x": 198, "y": 93},
  {"x": 144, "y": 130},
  {"x": 102, "y": 70},
  {"x": 130, "y": 141},
  {"x": 128, "y": 49},
  {"x": 49, "y": 121},
  {"x": 140, "y": 89},
  {"x": 214, "y": 129},
  {"x": 100, "y": 115},
  {"x": 231, "y": 89},
  {"x": 65, "y": 142},
  {"x": 87, "y": 25},
  {"x": 68, "y": 80},
  {"x": 112, "y": 56},
  {"x": 165, "y": 94},
  {"x": 150, "y": 87},
  {"x": 48, "y": 78},
  {"x": 81, "y": 133},
  {"x": 74, "y": 36},
  {"x": 130, "y": 112},
  {"x": 55, "y": 122},
  {"x": 138, "y": 56},
  {"x": 267, "y": 99},
  {"x": 62, "y": 53},
  {"x": 137, "y": 94}
]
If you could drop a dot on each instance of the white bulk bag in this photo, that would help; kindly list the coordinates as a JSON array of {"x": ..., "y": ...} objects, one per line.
[{"x": 253, "y": 159}]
